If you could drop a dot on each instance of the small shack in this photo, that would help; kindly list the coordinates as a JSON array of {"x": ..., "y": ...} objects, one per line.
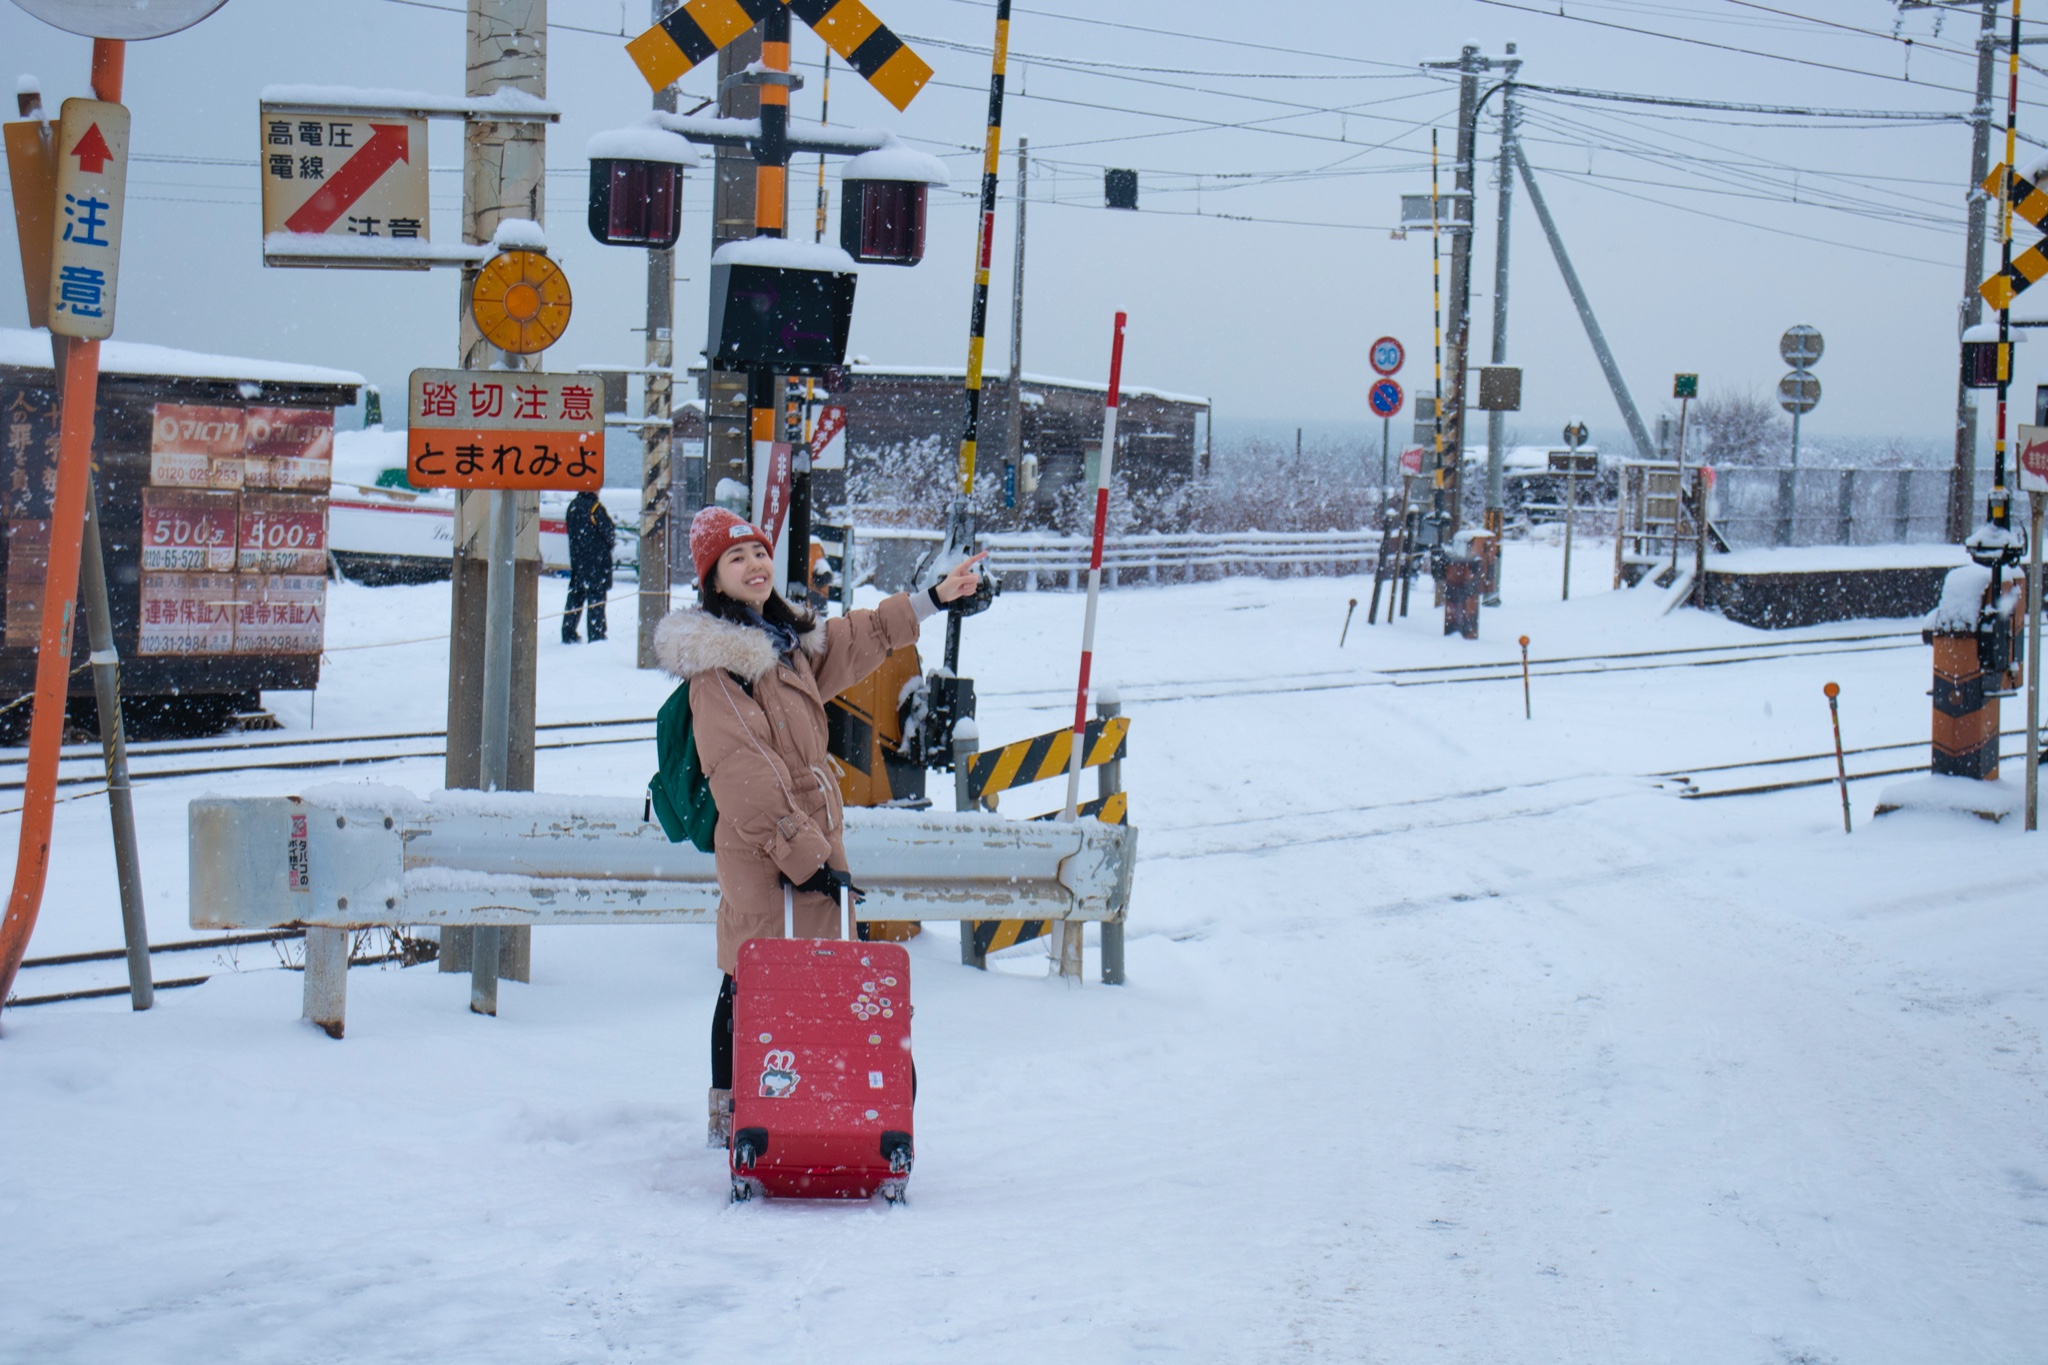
[{"x": 213, "y": 476}]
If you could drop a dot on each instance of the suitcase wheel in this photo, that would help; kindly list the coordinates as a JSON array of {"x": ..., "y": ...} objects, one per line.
[
  {"x": 896, "y": 1150},
  {"x": 742, "y": 1190},
  {"x": 749, "y": 1145},
  {"x": 893, "y": 1190}
]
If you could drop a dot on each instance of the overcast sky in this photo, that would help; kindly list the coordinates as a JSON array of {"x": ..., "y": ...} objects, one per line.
[{"x": 1698, "y": 240}]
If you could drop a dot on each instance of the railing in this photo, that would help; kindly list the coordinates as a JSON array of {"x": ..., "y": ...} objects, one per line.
[
  {"x": 1760, "y": 506},
  {"x": 1031, "y": 561}
]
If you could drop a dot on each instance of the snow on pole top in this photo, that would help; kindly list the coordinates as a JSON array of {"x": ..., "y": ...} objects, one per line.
[
  {"x": 644, "y": 141},
  {"x": 894, "y": 161},
  {"x": 1988, "y": 331},
  {"x": 784, "y": 254},
  {"x": 519, "y": 234},
  {"x": 27, "y": 85},
  {"x": 1962, "y": 599}
]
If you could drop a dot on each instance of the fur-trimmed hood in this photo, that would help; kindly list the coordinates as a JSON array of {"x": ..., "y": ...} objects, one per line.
[{"x": 692, "y": 640}]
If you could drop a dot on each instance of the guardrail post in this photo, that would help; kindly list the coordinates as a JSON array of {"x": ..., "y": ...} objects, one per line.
[
  {"x": 483, "y": 970},
  {"x": 966, "y": 743},
  {"x": 1110, "y": 780},
  {"x": 326, "y": 979}
]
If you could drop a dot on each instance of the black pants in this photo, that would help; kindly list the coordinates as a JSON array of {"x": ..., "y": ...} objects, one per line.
[{"x": 584, "y": 593}]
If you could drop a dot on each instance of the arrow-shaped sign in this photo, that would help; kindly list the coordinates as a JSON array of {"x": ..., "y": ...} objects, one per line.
[
  {"x": 2030, "y": 203},
  {"x": 388, "y": 145},
  {"x": 692, "y": 34},
  {"x": 92, "y": 151}
]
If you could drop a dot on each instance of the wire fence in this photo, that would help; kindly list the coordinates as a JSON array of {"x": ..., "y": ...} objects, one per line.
[{"x": 1757, "y": 507}]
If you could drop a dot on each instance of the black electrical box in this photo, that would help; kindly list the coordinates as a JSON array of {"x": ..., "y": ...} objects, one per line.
[
  {"x": 1120, "y": 189},
  {"x": 789, "y": 319},
  {"x": 636, "y": 203},
  {"x": 1500, "y": 388}
]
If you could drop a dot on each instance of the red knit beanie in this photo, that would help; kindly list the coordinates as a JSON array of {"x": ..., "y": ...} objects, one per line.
[{"x": 713, "y": 532}]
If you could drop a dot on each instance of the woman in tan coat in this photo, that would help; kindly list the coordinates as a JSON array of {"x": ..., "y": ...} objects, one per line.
[{"x": 760, "y": 672}]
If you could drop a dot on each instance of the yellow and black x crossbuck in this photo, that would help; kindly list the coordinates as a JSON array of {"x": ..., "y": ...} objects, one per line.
[
  {"x": 694, "y": 33},
  {"x": 2029, "y": 203}
]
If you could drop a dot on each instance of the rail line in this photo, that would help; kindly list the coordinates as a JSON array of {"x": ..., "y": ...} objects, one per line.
[{"x": 1825, "y": 760}]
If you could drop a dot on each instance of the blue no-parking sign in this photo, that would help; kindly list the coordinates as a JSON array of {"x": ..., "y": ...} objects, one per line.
[{"x": 1385, "y": 398}]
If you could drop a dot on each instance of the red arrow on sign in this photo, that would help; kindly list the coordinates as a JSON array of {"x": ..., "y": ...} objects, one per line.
[
  {"x": 388, "y": 145},
  {"x": 92, "y": 151}
]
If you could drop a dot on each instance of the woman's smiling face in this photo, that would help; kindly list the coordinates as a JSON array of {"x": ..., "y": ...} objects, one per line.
[{"x": 746, "y": 573}]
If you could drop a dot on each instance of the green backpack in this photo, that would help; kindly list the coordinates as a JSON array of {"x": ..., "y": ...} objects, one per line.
[{"x": 679, "y": 792}]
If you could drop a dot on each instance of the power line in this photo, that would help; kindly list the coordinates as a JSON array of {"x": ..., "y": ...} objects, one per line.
[
  {"x": 1723, "y": 47},
  {"x": 1798, "y": 110}
]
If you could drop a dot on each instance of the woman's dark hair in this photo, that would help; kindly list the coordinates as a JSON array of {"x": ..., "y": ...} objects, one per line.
[{"x": 776, "y": 609}]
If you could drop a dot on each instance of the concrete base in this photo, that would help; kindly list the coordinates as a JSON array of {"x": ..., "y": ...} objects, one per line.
[{"x": 1779, "y": 589}]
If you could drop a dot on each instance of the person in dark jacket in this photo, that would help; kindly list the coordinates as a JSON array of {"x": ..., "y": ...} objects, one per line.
[{"x": 591, "y": 535}]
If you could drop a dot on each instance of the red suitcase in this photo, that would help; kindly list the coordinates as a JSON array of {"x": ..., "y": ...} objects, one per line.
[{"x": 821, "y": 1069}]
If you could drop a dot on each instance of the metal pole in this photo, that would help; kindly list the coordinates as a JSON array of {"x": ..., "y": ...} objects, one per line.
[
  {"x": 1638, "y": 433},
  {"x": 1386, "y": 425},
  {"x": 1109, "y": 780},
  {"x": 106, "y": 683},
  {"x": 1841, "y": 770},
  {"x": 1678, "y": 488},
  {"x": 495, "y": 750},
  {"x": 2036, "y": 503},
  {"x": 1526, "y": 713},
  {"x": 1013, "y": 433},
  {"x": 1496, "y": 422},
  {"x": 1795, "y": 438},
  {"x": 977, "y": 320},
  {"x": 1999, "y": 513},
  {"x": 1571, "y": 482},
  {"x": 966, "y": 742},
  {"x": 1962, "y": 472}
]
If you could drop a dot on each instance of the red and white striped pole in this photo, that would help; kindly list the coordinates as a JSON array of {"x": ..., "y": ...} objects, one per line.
[{"x": 1102, "y": 469}]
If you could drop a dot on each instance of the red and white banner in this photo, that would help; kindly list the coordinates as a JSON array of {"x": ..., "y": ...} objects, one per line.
[
  {"x": 196, "y": 447},
  {"x": 188, "y": 530},
  {"x": 828, "y": 440}
]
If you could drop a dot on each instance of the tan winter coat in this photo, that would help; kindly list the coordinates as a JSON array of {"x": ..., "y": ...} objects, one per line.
[{"x": 777, "y": 795}]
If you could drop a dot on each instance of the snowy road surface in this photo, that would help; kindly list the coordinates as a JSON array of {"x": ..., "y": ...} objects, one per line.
[{"x": 1448, "y": 1037}]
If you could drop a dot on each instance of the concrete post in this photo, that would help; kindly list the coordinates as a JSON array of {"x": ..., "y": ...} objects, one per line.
[
  {"x": 503, "y": 176},
  {"x": 658, "y": 492},
  {"x": 326, "y": 979}
]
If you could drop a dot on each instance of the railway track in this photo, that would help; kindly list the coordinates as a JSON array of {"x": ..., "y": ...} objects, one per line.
[
  {"x": 1441, "y": 675},
  {"x": 1796, "y": 771}
]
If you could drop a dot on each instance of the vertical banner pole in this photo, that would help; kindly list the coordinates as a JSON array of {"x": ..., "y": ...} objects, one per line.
[{"x": 1102, "y": 477}]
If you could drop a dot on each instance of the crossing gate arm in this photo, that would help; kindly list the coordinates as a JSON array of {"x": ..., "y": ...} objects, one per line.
[
  {"x": 352, "y": 857},
  {"x": 1045, "y": 756}
]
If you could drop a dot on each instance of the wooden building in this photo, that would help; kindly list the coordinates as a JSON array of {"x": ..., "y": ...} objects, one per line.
[
  {"x": 213, "y": 476},
  {"x": 898, "y": 413}
]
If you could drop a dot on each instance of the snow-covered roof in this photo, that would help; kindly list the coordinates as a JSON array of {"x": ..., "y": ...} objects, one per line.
[
  {"x": 31, "y": 350},
  {"x": 960, "y": 372}
]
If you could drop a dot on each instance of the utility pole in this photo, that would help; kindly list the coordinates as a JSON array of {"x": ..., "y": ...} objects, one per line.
[
  {"x": 491, "y": 677},
  {"x": 658, "y": 485},
  {"x": 1496, "y": 422},
  {"x": 1962, "y": 478},
  {"x": 1013, "y": 434}
]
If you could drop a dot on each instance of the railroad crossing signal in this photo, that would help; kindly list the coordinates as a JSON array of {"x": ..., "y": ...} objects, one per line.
[
  {"x": 2030, "y": 203},
  {"x": 694, "y": 33}
]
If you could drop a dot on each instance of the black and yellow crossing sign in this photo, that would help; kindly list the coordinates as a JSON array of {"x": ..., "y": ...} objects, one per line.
[
  {"x": 695, "y": 32},
  {"x": 1045, "y": 756},
  {"x": 994, "y": 935},
  {"x": 2030, "y": 203}
]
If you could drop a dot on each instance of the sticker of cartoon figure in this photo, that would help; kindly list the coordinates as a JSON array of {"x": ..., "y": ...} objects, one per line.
[{"x": 778, "y": 1075}]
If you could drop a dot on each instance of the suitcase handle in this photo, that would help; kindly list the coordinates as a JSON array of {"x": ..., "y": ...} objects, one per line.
[{"x": 788, "y": 910}]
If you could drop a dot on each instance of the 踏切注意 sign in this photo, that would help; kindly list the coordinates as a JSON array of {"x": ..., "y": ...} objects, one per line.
[{"x": 504, "y": 429}]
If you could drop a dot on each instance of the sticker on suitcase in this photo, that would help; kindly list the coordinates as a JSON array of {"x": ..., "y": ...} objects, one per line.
[
  {"x": 778, "y": 1075},
  {"x": 871, "y": 1002}
]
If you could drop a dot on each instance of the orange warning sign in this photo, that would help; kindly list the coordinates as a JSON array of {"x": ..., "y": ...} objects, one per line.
[{"x": 504, "y": 429}]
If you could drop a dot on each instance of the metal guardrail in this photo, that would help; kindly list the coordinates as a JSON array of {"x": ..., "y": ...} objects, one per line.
[
  {"x": 1034, "y": 558},
  {"x": 367, "y": 857}
]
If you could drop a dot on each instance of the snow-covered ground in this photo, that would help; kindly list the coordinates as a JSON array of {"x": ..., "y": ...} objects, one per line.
[{"x": 1449, "y": 1036}]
